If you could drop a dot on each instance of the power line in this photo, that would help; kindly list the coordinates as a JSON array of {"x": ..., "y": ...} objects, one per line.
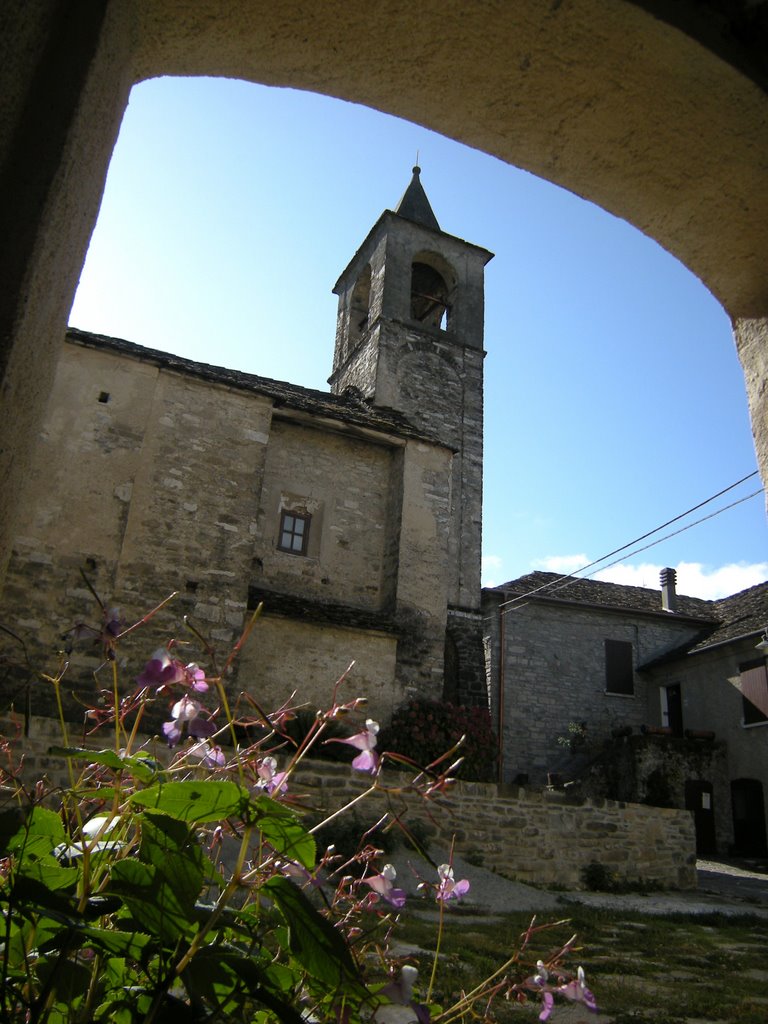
[{"x": 572, "y": 577}]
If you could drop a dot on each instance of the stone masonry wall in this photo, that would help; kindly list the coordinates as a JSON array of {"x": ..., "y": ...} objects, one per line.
[
  {"x": 154, "y": 480},
  {"x": 552, "y": 669},
  {"x": 542, "y": 838}
]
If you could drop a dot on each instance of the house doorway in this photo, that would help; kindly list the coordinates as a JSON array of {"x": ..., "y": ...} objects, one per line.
[
  {"x": 698, "y": 798},
  {"x": 748, "y": 818}
]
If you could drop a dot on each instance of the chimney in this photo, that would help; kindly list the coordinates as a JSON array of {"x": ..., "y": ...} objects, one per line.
[{"x": 668, "y": 590}]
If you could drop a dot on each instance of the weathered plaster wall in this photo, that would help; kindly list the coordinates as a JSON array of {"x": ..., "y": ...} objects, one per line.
[
  {"x": 286, "y": 659},
  {"x": 350, "y": 518},
  {"x": 154, "y": 480}
]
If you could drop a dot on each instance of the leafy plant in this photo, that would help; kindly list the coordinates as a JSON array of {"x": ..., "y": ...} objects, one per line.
[
  {"x": 423, "y": 730},
  {"x": 184, "y": 885}
]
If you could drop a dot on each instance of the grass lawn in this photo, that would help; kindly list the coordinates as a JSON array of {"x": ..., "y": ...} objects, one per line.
[{"x": 642, "y": 969}]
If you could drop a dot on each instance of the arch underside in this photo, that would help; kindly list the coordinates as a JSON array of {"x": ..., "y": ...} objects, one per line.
[{"x": 599, "y": 96}]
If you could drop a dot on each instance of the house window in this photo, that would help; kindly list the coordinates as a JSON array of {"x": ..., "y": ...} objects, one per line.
[
  {"x": 619, "y": 673},
  {"x": 294, "y": 532},
  {"x": 753, "y": 683}
]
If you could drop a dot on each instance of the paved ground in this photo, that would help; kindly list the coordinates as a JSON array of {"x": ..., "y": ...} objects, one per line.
[{"x": 727, "y": 887}]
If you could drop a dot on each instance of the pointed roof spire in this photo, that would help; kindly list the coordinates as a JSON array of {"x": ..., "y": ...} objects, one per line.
[{"x": 415, "y": 206}]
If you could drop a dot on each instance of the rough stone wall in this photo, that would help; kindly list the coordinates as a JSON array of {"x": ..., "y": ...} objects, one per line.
[
  {"x": 434, "y": 376},
  {"x": 541, "y": 838},
  {"x": 653, "y": 770},
  {"x": 155, "y": 481},
  {"x": 552, "y": 669}
]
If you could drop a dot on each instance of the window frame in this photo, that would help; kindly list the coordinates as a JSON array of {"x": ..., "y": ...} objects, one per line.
[{"x": 289, "y": 530}]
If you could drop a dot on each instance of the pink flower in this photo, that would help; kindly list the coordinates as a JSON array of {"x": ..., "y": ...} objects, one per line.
[
  {"x": 270, "y": 778},
  {"x": 365, "y": 741},
  {"x": 383, "y": 884},
  {"x": 448, "y": 889},
  {"x": 577, "y": 991},
  {"x": 186, "y": 714},
  {"x": 195, "y": 677},
  {"x": 163, "y": 670},
  {"x": 210, "y": 755}
]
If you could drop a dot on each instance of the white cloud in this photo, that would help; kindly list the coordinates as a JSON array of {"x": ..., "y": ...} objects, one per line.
[
  {"x": 490, "y": 567},
  {"x": 693, "y": 578},
  {"x": 561, "y": 563}
]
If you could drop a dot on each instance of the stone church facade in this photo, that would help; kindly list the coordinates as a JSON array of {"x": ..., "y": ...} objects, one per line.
[{"x": 354, "y": 516}]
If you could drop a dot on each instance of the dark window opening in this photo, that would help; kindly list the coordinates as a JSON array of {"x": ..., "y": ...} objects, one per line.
[
  {"x": 191, "y": 586},
  {"x": 753, "y": 683},
  {"x": 294, "y": 532},
  {"x": 619, "y": 670},
  {"x": 748, "y": 818},
  {"x": 104, "y": 397},
  {"x": 430, "y": 300},
  {"x": 673, "y": 713}
]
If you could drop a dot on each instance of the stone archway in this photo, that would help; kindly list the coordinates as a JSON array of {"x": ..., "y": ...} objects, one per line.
[{"x": 663, "y": 125}]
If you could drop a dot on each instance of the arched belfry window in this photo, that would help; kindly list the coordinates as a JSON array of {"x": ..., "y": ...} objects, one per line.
[
  {"x": 359, "y": 307},
  {"x": 431, "y": 294}
]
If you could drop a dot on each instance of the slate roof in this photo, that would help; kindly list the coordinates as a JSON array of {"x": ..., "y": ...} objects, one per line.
[
  {"x": 551, "y": 586},
  {"x": 730, "y": 618},
  {"x": 742, "y": 614},
  {"x": 348, "y": 408}
]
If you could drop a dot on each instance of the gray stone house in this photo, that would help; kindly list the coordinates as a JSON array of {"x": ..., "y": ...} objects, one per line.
[{"x": 637, "y": 694}]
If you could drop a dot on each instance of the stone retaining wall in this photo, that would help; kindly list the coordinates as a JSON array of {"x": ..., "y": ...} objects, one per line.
[{"x": 545, "y": 838}]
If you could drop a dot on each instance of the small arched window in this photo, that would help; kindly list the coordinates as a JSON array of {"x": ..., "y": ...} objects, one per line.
[{"x": 431, "y": 295}]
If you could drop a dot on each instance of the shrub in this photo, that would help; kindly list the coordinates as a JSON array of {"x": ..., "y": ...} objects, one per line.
[{"x": 423, "y": 730}]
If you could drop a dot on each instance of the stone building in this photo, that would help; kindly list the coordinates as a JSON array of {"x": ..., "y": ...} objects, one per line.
[
  {"x": 354, "y": 516},
  {"x": 640, "y": 695}
]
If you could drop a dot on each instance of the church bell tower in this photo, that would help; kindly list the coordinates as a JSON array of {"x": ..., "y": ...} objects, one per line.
[{"x": 409, "y": 337}]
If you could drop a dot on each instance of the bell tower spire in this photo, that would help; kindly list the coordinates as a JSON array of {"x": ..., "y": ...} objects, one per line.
[
  {"x": 409, "y": 336},
  {"x": 414, "y": 204}
]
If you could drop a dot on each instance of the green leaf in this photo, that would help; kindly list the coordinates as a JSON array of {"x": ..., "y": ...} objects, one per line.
[
  {"x": 281, "y": 828},
  {"x": 171, "y": 846},
  {"x": 151, "y": 900},
  {"x": 68, "y": 980},
  {"x": 209, "y": 800},
  {"x": 315, "y": 943},
  {"x": 46, "y": 870},
  {"x": 24, "y": 935},
  {"x": 223, "y": 977},
  {"x": 132, "y": 945},
  {"x": 109, "y": 758},
  {"x": 143, "y": 767},
  {"x": 41, "y": 827},
  {"x": 11, "y": 821}
]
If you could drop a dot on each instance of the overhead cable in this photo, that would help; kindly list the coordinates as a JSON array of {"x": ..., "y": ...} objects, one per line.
[{"x": 568, "y": 578}]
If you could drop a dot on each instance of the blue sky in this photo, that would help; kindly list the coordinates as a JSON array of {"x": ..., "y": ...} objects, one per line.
[{"x": 614, "y": 398}]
